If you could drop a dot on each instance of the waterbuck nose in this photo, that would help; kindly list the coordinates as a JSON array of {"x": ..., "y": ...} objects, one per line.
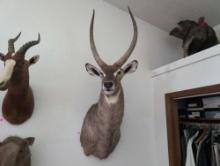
[{"x": 108, "y": 84}]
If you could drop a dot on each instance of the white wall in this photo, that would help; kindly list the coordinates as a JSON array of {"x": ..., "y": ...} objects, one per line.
[
  {"x": 188, "y": 73},
  {"x": 64, "y": 91}
]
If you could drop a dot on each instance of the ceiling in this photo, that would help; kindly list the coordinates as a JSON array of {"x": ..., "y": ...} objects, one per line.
[{"x": 164, "y": 14}]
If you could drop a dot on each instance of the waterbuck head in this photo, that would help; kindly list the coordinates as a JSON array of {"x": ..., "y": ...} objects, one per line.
[
  {"x": 15, "y": 151},
  {"x": 111, "y": 75},
  {"x": 15, "y": 64}
]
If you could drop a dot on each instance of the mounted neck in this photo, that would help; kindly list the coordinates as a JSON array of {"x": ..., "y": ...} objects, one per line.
[
  {"x": 111, "y": 101},
  {"x": 110, "y": 109}
]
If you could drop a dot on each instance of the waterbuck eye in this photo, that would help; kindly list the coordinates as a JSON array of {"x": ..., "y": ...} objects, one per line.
[{"x": 118, "y": 73}]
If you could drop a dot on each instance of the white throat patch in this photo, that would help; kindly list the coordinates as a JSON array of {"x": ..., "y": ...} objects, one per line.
[
  {"x": 8, "y": 70},
  {"x": 112, "y": 99}
]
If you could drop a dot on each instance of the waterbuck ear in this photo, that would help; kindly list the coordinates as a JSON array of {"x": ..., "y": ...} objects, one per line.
[
  {"x": 30, "y": 140},
  {"x": 34, "y": 60},
  {"x": 93, "y": 71},
  {"x": 131, "y": 67},
  {"x": 2, "y": 57}
]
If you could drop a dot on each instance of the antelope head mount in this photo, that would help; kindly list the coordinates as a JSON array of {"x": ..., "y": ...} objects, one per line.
[
  {"x": 18, "y": 103},
  {"x": 101, "y": 127}
]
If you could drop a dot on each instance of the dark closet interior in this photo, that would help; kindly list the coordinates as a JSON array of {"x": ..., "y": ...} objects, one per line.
[{"x": 193, "y": 126}]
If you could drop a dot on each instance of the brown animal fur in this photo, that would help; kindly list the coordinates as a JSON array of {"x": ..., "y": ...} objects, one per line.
[
  {"x": 18, "y": 104},
  {"x": 101, "y": 127}
]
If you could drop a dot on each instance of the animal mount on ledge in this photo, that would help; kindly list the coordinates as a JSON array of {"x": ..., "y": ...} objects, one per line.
[
  {"x": 101, "y": 127},
  {"x": 14, "y": 151},
  {"x": 196, "y": 36},
  {"x": 18, "y": 103}
]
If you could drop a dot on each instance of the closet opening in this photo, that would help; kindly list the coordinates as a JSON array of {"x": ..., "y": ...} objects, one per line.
[{"x": 194, "y": 115}]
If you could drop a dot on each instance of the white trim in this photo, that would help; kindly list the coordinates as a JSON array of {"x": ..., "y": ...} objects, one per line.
[{"x": 198, "y": 57}]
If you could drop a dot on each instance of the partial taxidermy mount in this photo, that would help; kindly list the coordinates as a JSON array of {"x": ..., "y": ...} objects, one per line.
[
  {"x": 18, "y": 103},
  {"x": 14, "y": 151},
  {"x": 196, "y": 36},
  {"x": 101, "y": 127}
]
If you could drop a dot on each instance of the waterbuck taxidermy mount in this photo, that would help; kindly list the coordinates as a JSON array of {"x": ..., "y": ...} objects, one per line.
[
  {"x": 101, "y": 127},
  {"x": 18, "y": 103},
  {"x": 196, "y": 36},
  {"x": 14, "y": 151}
]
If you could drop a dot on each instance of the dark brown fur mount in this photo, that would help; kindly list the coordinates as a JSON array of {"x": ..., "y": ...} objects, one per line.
[
  {"x": 196, "y": 36},
  {"x": 101, "y": 127},
  {"x": 14, "y": 151},
  {"x": 18, "y": 103}
]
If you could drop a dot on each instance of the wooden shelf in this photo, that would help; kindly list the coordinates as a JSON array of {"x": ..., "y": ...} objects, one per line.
[
  {"x": 209, "y": 53},
  {"x": 212, "y": 109},
  {"x": 200, "y": 120},
  {"x": 204, "y": 110}
]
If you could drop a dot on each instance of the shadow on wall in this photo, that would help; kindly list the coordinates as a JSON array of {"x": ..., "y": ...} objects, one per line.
[{"x": 161, "y": 56}]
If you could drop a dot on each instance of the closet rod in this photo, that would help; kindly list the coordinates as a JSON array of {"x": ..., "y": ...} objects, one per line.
[
  {"x": 199, "y": 120},
  {"x": 201, "y": 125}
]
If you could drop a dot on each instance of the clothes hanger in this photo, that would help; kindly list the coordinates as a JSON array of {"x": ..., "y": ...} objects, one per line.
[{"x": 203, "y": 134}]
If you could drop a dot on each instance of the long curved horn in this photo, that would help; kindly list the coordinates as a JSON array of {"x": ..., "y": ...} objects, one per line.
[
  {"x": 127, "y": 54},
  {"x": 11, "y": 48},
  {"x": 28, "y": 45},
  {"x": 98, "y": 60}
]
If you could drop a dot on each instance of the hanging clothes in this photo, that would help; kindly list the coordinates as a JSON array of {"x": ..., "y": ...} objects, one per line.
[
  {"x": 200, "y": 149},
  {"x": 183, "y": 146},
  {"x": 185, "y": 135},
  {"x": 205, "y": 153},
  {"x": 190, "y": 160},
  {"x": 216, "y": 147}
]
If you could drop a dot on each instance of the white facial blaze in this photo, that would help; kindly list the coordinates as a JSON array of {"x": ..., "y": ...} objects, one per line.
[{"x": 8, "y": 70}]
